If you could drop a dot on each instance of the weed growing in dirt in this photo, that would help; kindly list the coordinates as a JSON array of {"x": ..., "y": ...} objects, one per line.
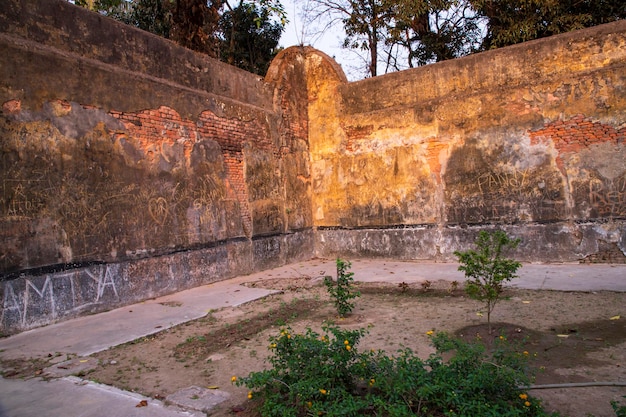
[
  {"x": 620, "y": 409},
  {"x": 486, "y": 268},
  {"x": 313, "y": 374},
  {"x": 343, "y": 290}
]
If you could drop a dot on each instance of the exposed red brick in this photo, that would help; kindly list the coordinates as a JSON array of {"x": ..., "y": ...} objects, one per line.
[
  {"x": 12, "y": 106},
  {"x": 575, "y": 134}
]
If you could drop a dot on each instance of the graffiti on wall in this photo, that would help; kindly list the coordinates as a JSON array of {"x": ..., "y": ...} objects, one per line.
[
  {"x": 57, "y": 294},
  {"x": 608, "y": 198},
  {"x": 509, "y": 194},
  {"x": 600, "y": 197}
]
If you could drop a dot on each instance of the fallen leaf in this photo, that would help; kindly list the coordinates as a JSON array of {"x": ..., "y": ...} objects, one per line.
[
  {"x": 615, "y": 318},
  {"x": 142, "y": 403},
  {"x": 213, "y": 387},
  {"x": 84, "y": 360},
  {"x": 564, "y": 336},
  {"x": 525, "y": 302}
]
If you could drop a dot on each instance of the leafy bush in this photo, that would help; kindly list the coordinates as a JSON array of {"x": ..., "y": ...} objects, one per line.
[
  {"x": 486, "y": 268},
  {"x": 313, "y": 374},
  {"x": 620, "y": 410},
  {"x": 343, "y": 290}
]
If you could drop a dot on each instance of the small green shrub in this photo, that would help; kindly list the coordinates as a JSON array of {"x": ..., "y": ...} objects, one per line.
[
  {"x": 343, "y": 290},
  {"x": 486, "y": 268},
  {"x": 620, "y": 410},
  {"x": 326, "y": 375}
]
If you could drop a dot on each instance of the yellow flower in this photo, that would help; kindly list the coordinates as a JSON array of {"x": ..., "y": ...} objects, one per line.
[
  {"x": 525, "y": 353},
  {"x": 372, "y": 382},
  {"x": 309, "y": 404},
  {"x": 430, "y": 333},
  {"x": 501, "y": 337},
  {"x": 288, "y": 336},
  {"x": 523, "y": 396},
  {"x": 348, "y": 347},
  {"x": 250, "y": 395},
  {"x": 345, "y": 342},
  {"x": 233, "y": 379},
  {"x": 527, "y": 404},
  {"x": 323, "y": 391}
]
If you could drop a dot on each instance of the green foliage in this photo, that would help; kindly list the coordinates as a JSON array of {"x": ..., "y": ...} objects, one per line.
[
  {"x": 620, "y": 410},
  {"x": 249, "y": 37},
  {"x": 313, "y": 374},
  {"x": 434, "y": 30},
  {"x": 513, "y": 21},
  {"x": 486, "y": 268},
  {"x": 154, "y": 16},
  {"x": 343, "y": 290},
  {"x": 400, "y": 33},
  {"x": 246, "y": 35}
]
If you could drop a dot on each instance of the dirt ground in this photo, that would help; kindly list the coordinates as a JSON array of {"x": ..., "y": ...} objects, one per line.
[{"x": 571, "y": 337}]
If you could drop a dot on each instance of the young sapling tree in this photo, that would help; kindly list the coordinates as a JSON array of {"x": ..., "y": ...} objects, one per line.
[
  {"x": 342, "y": 291},
  {"x": 487, "y": 269}
]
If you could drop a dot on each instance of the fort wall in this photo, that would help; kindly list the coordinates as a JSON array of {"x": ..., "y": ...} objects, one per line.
[
  {"x": 529, "y": 139},
  {"x": 133, "y": 168}
]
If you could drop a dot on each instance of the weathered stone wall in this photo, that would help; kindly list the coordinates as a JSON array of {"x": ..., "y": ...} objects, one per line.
[
  {"x": 132, "y": 167},
  {"x": 529, "y": 138}
]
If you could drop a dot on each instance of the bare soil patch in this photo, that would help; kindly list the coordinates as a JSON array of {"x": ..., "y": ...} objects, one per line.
[{"x": 569, "y": 336}]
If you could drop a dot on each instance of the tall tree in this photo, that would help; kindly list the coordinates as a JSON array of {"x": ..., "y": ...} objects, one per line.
[
  {"x": 202, "y": 25},
  {"x": 195, "y": 25},
  {"x": 154, "y": 16},
  {"x": 514, "y": 21},
  {"x": 363, "y": 21},
  {"x": 365, "y": 27},
  {"x": 249, "y": 37},
  {"x": 434, "y": 30}
]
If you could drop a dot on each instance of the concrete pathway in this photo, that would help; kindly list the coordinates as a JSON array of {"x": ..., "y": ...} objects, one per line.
[
  {"x": 72, "y": 396},
  {"x": 69, "y": 396},
  {"x": 561, "y": 277},
  {"x": 89, "y": 334}
]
